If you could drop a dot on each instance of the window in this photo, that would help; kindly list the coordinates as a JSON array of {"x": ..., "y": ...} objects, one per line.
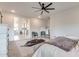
[{"x": 16, "y": 30}]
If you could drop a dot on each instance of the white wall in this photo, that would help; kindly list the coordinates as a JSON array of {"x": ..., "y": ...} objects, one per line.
[{"x": 65, "y": 23}]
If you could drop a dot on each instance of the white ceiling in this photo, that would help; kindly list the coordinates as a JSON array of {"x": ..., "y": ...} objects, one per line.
[{"x": 25, "y": 8}]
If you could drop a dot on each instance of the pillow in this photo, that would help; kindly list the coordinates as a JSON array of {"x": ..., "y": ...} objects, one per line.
[{"x": 64, "y": 43}]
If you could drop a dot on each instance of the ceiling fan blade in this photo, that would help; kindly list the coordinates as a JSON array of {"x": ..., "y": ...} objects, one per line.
[
  {"x": 47, "y": 11},
  {"x": 35, "y": 7},
  {"x": 40, "y": 4},
  {"x": 41, "y": 12},
  {"x": 48, "y": 5},
  {"x": 50, "y": 8}
]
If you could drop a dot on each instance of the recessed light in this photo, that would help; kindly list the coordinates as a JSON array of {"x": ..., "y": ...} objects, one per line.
[{"x": 13, "y": 11}]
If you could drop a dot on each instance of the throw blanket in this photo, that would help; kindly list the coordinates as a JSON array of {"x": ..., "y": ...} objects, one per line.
[{"x": 34, "y": 42}]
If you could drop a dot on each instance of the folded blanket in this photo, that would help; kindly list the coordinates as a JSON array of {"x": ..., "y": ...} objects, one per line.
[{"x": 34, "y": 42}]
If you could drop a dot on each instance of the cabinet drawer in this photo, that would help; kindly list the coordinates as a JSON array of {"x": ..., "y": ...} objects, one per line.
[
  {"x": 3, "y": 55},
  {"x": 3, "y": 29},
  {"x": 3, "y": 51},
  {"x": 3, "y": 44},
  {"x": 3, "y": 36}
]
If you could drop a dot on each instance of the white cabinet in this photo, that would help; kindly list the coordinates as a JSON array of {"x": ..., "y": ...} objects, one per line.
[{"x": 3, "y": 40}]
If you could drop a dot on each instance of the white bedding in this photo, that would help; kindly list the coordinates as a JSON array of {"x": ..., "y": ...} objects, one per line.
[
  {"x": 48, "y": 50},
  {"x": 26, "y": 51}
]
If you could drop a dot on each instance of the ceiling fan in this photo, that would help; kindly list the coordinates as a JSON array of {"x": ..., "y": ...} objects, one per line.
[{"x": 43, "y": 7}]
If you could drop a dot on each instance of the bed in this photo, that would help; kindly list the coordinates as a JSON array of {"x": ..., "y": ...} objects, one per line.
[
  {"x": 49, "y": 50},
  {"x": 26, "y": 51}
]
